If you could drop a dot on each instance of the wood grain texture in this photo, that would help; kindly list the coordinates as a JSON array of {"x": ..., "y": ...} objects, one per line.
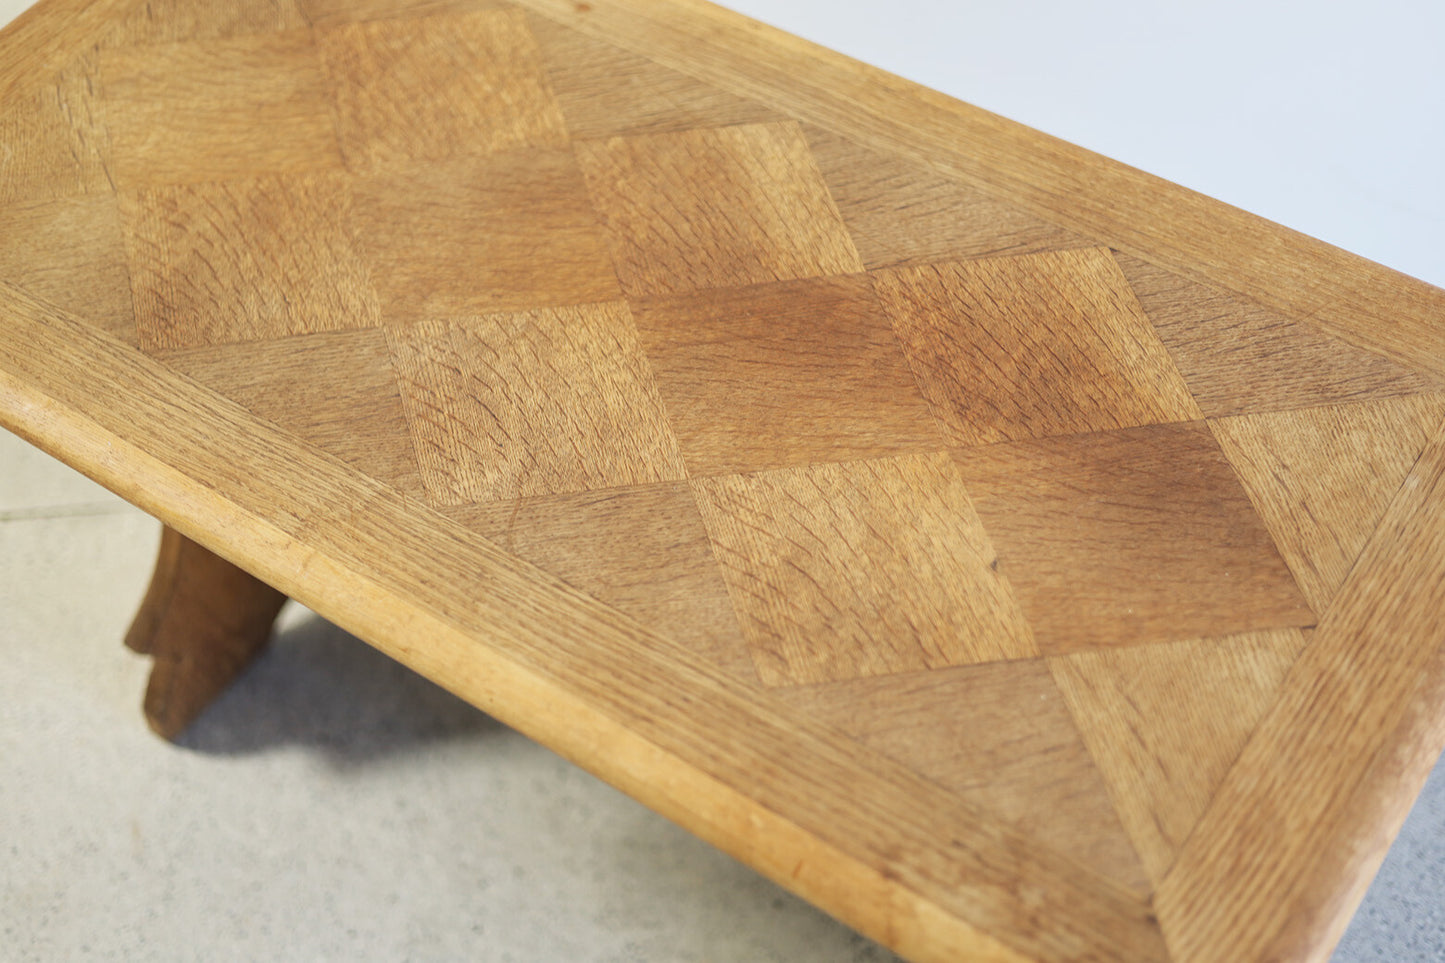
[
  {"x": 1007, "y": 349},
  {"x": 335, "y": 390},
  {"x": 1363, "y": 302},
  {"x": 330, "y": 13},
  {"x": 1165, "y": 723},
  {"x": 1141, "y": 535},
  {"x": 218, "y": 109},
  {"x": 47, "y": 36},
  {"x": 202, "y": 620},
  {"x": 715, "y": 208},
  {"x": 539, "y": 403},
  {"x": 501, "y": 233},
  {"x": 71, "y": 252},
  {"x": 998, "y": 735},
  {"x": 1322, "y": 478},
  {"x": 936, "y": 882},
  {"x": 434, "y": 87},
  {"x": 861, "y": 568},
  {"x": 244, "y": 261},
  {"x": 643, "y": 550},
  {"x": 174, "y": 21},
  {"x": 53, "y": 138},
  {"x": 604, "y": 90},
  {"x": 767, "y": 434},
  {"x": 901, "y": 212},
  {"x": 783, "y": 374},
  {"x": 1239, "y": 357},
  {"x": 1282, "y": 856}
]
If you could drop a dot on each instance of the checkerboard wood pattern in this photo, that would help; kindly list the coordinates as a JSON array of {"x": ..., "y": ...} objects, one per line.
[{"x": 1015, "y": 574}]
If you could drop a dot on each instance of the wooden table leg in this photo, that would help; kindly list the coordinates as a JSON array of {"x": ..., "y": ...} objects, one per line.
[{"x": 203, "y": 620}]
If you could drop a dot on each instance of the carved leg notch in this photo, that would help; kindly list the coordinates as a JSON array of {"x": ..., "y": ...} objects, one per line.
[{"x": 203, "y": 620}]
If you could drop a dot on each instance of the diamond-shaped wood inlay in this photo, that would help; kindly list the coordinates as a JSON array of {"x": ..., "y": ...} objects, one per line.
[{"x": 1018, "y": 556}]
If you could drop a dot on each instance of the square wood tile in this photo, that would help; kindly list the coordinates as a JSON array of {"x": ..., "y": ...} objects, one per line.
[
  {"x": 861, "y": 568},
  {"x": 783, "y": 374},
  {"x": 536, "y": 403},
  {"x": 244, "y": 261},
  {"x": 1031, "y": 346},
  {"x": 218, "y": 109},
  {"x": 724, "y": 207},
  {"x": 1137, "y": 535},
  {"x": 500, "y": 233},
  {"x": 435, "y": 87}
]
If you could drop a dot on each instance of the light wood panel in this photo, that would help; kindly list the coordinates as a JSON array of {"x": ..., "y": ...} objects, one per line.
[
  {"x": 1027, "y": 347},
  {"x": 244, "y": 261},
  {"x": 434, "y": 87},
  {"x": 1142, "y": 535},
  {"x": 218, "y": 109},
  {"x": 1165, "y": 723},
  {"x": 1323, "y": 477},
  {"x": 861, "y": 568},
  {"x": 715, "y": 208},
  {"x": 501, "y": 233},
  {"x": 1240, "y": 357},
  {"x": 783, "y": 374},
  {"x": 901, "y": 212},
  {"x": 998, "y": 735},
  {"x": 540, "y": 403}
]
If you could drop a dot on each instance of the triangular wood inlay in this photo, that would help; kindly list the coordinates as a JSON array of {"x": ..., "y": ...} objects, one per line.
[
  {"x": 902, "y": 213},
  {"x": 1164, "y": 723},
  {"x": 1000, "y": 736},
  {"x": 1321, "y": 478},
  {"x": 1240, "y": 357},
  {"x": 605, "y": 91}
]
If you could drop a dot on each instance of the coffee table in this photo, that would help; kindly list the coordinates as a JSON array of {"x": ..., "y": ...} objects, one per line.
[{"x": 1016, "y": 555}]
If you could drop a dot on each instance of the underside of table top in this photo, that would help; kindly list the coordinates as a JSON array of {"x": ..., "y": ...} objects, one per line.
[{"x": 1018, "y": 556}]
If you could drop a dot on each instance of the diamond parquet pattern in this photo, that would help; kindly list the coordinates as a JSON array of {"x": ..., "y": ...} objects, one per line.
[{"x": 971, "y": 489}]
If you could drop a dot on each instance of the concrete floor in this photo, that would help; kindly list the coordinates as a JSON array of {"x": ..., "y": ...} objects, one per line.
[{"x": 333, "y": 805}]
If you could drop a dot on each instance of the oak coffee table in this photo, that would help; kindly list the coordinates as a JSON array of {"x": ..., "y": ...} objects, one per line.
[{"x": 1018, "y": 556}]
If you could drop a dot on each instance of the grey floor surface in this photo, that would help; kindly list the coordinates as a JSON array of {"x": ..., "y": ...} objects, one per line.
[{"x": 335, "y": 806}]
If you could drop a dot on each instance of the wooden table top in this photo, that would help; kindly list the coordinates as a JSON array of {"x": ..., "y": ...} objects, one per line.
[{"x": 1018, "y": 556}]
